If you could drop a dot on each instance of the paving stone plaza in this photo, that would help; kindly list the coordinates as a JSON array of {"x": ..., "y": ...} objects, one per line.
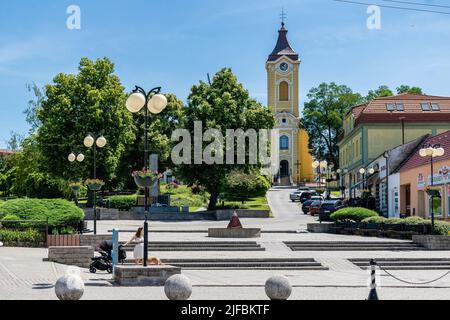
[{"x": 320, "y": 272}]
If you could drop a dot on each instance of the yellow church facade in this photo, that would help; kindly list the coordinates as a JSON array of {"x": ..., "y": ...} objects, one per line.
[{"x": 292, "y": 153}]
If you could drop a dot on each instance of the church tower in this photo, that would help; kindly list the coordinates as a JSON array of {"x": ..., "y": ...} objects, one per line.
[{"x": 295, "y": 160}]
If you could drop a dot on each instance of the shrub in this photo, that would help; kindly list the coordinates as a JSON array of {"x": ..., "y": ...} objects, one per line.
[
  {"x": 30, "y": 235},
  {"x": 442, "y": 228},
  {"x": 10, "y": 217},
  {"x": 394, "y": 221},
  {"x": 354, "y": 214},
  {"x": 59, "y": 212},
  {"x": 242, "y": 185},
  {"x": 374, "y": 219},
  {"x": 122, "y": 202},
  {"x": 415, "y": 221}
]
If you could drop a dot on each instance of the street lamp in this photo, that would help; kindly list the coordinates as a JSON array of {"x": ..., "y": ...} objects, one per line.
[
  {"x": 362, "y": 171},
  {"x": 91, "y": 142},
  {"x": 431, "y": 151},
  {"x": 316, "y": 165},
  {"x": 72, "y": 158},
  {"x": 324, "y": 165},
  {"x": 341, "y": 173},
  {"x": 155, "y": 103}
]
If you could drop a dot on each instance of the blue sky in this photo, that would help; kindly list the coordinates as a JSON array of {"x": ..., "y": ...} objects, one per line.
[{"x": 176, "y": 43}]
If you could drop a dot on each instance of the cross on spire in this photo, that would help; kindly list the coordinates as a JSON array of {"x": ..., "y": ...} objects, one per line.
[{"x": 282, "y": 16}]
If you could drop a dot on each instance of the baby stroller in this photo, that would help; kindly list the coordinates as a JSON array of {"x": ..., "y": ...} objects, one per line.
[{"x": 104, "y": 262}]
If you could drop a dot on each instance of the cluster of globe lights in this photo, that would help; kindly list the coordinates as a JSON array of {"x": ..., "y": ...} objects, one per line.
[
  {"x": 322, "y": 164},
  {"x": 88, "y": 142},
  {"x": 370, "y": 171},
  {"x": 136, "y": 101},
  {"x": 432, "y": 152}
]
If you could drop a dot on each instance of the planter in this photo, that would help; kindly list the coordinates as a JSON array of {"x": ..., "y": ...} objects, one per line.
[
  {"x": 434, "y": 193},
  {"x": 145, "y": 182},
  {"x": 75, "y": 188},
  {"x": 95, "y": 186}
]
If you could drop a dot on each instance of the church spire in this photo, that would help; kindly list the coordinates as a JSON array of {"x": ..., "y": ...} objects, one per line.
[{"x": 283, "y": 48}]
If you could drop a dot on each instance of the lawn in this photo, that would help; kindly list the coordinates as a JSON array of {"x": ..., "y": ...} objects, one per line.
[{"x": 257, "y": 203}]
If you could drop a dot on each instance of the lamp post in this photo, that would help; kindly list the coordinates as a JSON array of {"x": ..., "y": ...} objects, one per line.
[
  {"x": 386, "y": 156},
  {"x": 155, "y": 103},
  {"x": 72, "y": 158},
  {"x": 341, "y": 173},
  {"x": 324, "y": 165},
  {"x": 91, "y": 142},
  {"x": 431, "y": 151},
  {"x": 315, "y": 166},
  {"x": 362, "y": 171}
]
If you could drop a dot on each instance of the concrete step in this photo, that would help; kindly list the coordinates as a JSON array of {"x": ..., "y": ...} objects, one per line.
[
  {"x": 267, "y": 260},
  {"x": 355, "y": 248},
  {"x": 245, "y": 264},
  {"x": 352, "y": 246},
  {"x": 405, "y": 263},
  {"x": 350, "y": 243},
  {"x": 202, "y": 249}
]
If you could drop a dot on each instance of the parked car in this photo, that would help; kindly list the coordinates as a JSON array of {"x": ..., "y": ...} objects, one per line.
[
  {"x": 306, "y": 195},
  {"x": 328, "y": 207},
  {"x": 314, "y": 207},
  {"x": 306, "y": 205},
  {"x": 303, "y": 188},
  {"x": 295, "y": 196}
]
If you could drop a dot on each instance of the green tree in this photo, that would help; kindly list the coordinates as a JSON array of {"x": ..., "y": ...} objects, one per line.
[
  {"x": 161, "y": 127},
  {"x": 91, "y": 101},
  {"x": 241, "y": 185},
  {"x": 407, "y": 89},
  {"x": 15, "y": 141},
  {"x": 382, "y": 91},
  {"x": 222, "y": 104},
  {"x": 322, "y": 118}
]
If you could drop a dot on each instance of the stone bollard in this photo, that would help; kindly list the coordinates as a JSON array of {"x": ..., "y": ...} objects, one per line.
[
  {"x": 278, "y": 288},
  {"x": 69, "y": 287},
  {"x": 178, "y": 287}
]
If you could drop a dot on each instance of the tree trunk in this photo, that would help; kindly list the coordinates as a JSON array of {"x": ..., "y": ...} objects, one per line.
[{"x": 213, "y": 200}]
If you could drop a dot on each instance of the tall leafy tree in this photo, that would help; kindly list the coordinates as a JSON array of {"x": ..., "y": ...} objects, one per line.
[
  {"x": 91, "y": 101},
  {"x": 408, "y": 89},
  {"x": 161, "y": 127},
  {"x": 222, "y": 104},
  {"x": 322, "y": 118},
  {"x": 382, "y": 91}
]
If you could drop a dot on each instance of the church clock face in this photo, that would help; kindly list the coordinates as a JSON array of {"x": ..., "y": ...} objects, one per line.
[{"x": 284, "y": 66}]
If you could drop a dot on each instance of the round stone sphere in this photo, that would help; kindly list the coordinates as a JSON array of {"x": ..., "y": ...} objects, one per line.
[
  {"x": 278, "y": 288},
  {"x": 178, "y": 287},
  {"x": 69, "y": 287}
]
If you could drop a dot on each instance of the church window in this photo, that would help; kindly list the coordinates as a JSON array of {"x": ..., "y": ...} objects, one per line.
[
  {"x": 284, "y": 91},
  {"x": 284, "y": 143},
  {"x": 283, "y": 121}
]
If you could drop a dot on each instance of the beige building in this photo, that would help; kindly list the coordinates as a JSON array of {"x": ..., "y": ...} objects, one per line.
[{"x": 294, "y": 158}]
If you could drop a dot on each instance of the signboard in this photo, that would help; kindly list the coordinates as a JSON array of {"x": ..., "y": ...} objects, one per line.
[{"x": 421, "y": 182}]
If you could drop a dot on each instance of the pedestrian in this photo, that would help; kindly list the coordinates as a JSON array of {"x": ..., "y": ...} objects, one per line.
[{"x": 138, "y": 251}]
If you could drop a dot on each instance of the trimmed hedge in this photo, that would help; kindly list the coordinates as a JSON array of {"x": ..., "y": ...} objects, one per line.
[
  {"x": 374, "y": 219},
  {"x": 441, "y": 227},
  {"x": 122, "y": 202},
  {"x": 13, "y": 236},
  {"x": 60, "y": 213},
  {"x": 354, "y": 214}
]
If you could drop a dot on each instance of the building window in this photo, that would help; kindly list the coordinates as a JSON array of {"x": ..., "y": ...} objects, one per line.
[
  {"x": 425, "y": 106},
  {"x": 284, "y": 91},
  {"x": 435, "y": 107},
  {"x": 390, "y": 107},
  {"x": 283, "y": 121},
  {"x": 284, "y": 143},
  {"x": 400, "y": 107}
]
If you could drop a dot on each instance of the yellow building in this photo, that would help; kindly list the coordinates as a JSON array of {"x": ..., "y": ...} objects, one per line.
[{"x": 294, "y": 158}]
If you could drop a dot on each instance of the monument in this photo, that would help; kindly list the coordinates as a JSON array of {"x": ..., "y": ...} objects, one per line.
[{"x": 234, "y": 230}]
